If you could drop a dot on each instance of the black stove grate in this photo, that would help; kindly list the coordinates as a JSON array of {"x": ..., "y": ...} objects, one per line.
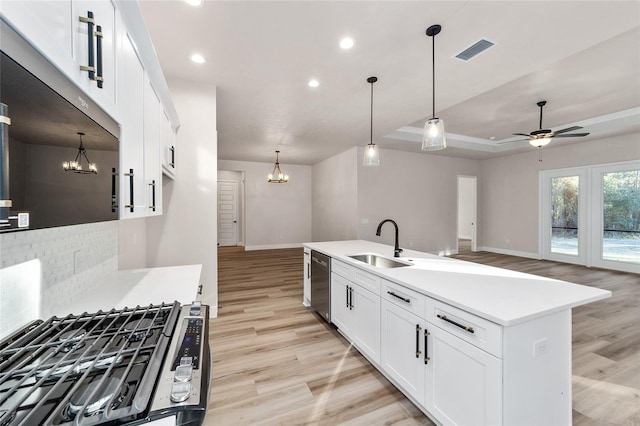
[{"x": 88, "y": 369}]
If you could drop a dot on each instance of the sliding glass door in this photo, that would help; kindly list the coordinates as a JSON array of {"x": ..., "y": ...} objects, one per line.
[
  {"x": 616, "y": 195},
  {"x": 591, "y": 216},
  {"x": 564, "y": 216}
]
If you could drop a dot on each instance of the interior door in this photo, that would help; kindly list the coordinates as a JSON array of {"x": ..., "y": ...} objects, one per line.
[{"x": 227, "y": 213}]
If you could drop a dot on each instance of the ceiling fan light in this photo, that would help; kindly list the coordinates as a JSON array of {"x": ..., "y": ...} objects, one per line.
[
  {"x": 433, "y": 138},
  {"x": 539, "y": 143},
  {"x": 371, "y": 156}
]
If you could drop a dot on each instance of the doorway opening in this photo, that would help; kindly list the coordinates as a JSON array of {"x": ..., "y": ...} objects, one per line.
[{"x": 467, "y": 213}]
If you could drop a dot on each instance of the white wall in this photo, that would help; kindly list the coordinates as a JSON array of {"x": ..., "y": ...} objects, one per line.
[
  {"x": 509, "y": 208},
  {"x": 335, "y": 197},
  {"x": 419, "y": 192},
  {"x": 186, "y": 233},
  {"x": 276, "y": 215}
]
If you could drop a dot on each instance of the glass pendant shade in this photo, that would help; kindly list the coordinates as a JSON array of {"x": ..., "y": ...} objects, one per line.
[
  {"x": 433, "y": 137},
  {"x": 371, "y": 156},
  {"x": 539, "y": 143}
]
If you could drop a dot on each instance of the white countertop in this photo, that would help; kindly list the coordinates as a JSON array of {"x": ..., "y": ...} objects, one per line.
[
  {"x": 129, "y": 288},
  {"x": 499, "y": 295}
]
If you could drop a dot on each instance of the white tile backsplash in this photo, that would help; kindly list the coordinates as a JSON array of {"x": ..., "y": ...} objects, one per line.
[{"x": 45, "y": 270}]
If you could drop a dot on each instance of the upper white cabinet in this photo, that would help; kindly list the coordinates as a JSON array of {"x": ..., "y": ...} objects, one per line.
[
  {"x": 77, "y": 36},
  {"x": 130, "y": 106},
  {"x": 167, "y": 147},
  {"x": 94, "y": 49},
  {"x": 47, "y": 25},
  {"x": 153, "y": 177}
]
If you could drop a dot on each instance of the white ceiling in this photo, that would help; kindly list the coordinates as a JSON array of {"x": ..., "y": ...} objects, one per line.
[{"x": 583, "y": 57}]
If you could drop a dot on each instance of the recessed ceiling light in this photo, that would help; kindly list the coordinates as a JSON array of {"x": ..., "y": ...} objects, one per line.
[
  {"x": 313, "y": 83},
  {"x": 198, "y": 58},
  {"x": 346, "y": 43},
  {"x": 194, "y": 3}
]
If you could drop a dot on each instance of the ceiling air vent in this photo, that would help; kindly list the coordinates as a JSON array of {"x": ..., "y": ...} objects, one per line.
[{"x": 474, "y": 50}]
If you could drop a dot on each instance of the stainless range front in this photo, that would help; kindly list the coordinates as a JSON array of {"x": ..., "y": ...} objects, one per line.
[{"x": 128, "y": 366}]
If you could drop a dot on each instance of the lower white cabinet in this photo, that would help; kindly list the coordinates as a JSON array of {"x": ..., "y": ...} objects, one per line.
[
  {"x": 457, "y": 383},
  {"x": 463, "y": 383},
  {"x": 356, "y": 313},
  {"x": 402, "y": 357}
]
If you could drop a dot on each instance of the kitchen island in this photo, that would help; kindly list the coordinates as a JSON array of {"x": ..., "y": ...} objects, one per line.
[{"x": 467, "y": 343}]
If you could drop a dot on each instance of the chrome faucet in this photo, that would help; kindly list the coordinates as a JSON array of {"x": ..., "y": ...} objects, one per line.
[{"x": 396, "y": 250}]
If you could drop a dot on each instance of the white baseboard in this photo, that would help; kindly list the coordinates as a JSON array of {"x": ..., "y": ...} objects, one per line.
[
  {"x": 273, "y": 246},
  {"x": 510, "y": 252}
]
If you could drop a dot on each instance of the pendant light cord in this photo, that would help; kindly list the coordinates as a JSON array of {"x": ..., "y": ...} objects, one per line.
[
  {"x": 433, "y": 74},
  {"x": 371, "y": 130}
]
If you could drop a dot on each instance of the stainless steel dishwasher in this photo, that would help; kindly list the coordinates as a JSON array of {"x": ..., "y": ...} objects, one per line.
[{"x": 321, "y": 284}]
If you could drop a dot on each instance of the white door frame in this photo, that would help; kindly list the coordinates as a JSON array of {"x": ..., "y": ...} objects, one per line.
[
  {"x": 474, "y": 210},
  {"x": 236, "y": 191}
]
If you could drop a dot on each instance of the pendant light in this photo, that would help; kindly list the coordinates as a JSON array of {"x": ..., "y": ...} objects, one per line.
[
  {"x": 277, "y": 176},
  {"x": 75, "y": 165},
  {"x": 371, "y": 155},
  {"x": 433, "y": 138}
]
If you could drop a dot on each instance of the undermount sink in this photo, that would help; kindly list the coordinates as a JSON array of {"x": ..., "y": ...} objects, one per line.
[{"x": 378, "y": 261}]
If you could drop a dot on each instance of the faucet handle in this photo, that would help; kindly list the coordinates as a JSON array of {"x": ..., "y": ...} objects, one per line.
[{"x": 396, "y": 253}]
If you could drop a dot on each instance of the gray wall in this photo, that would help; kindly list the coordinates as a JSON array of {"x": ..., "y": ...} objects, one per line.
[
  {"x": 335, "y": 197},
  {"x": 509, "y": 208},
  {"x": 276, "y": 215}
]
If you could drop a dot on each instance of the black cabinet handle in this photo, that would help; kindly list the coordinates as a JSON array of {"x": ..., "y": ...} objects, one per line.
[
  {"x": 153, "y": 195},
  {"x": 130, "y": 205},
  {"x": 90, "y": 63},
  {"x": 346, "y": 288},
  {"x": 114, "y": 199},
  {"x": 426, "y": 346},
  {"x": 308, "y": 270},
  {"x": 399, "y": 297},
  {"x": 200, "y": 288},
  {"x": 418, "y": 328},
  {"x": 173, "y": 156},
  {"x": 99, "y": 77},
  {"x": 464, "y": 327}
]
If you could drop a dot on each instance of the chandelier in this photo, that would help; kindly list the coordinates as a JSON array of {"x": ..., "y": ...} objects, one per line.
[
  {"x": 75, "y": 165},
  {"x": 277, "y": 176}
]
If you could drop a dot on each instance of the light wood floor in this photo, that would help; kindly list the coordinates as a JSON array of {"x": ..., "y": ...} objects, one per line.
[{"x": 276, "y": 363}]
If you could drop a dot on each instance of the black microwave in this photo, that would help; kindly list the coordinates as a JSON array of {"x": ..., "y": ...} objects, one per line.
[{"x": 60, "y": 151}]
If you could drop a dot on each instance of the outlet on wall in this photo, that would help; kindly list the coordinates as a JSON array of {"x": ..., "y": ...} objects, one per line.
[{"x": 540, "y": 347}]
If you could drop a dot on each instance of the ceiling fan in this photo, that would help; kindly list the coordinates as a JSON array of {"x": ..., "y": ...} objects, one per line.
[{"x": 542, "y": 137}]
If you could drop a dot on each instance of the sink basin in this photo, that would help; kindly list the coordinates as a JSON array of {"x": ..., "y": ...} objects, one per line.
[{"x": 378, "y": 261}]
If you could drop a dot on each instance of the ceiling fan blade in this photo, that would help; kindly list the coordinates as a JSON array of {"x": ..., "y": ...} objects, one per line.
[
  {"x": 571, "y": 135},
  {"x": 568, "y": 129},
  {"x": 521, "y": 134}
]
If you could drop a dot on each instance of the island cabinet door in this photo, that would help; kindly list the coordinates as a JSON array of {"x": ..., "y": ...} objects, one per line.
[
  {"x": 463, "y": 383},
  {"x": 341, "y": 310},
  {"x": 366, "y": 322},
  {"x": 401, "y": 349}
]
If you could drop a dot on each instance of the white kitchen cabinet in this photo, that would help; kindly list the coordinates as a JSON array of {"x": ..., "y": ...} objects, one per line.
[
  {"x": 341, "y": 311},
  {"x": 102, "y": 88},
  {"x": 168, "y": 147},
  {"x": 463, "y": 383},
  {"x": 59, "y": 29},
  {"x": 356, "y": 313},
  {"x": 401, "y": 351},
  {"x": 47, "y": 25},
  {"x": 130, "y": 105},
  {"x": 152, "y": 169},
  {"x": 306, "y": 283}
]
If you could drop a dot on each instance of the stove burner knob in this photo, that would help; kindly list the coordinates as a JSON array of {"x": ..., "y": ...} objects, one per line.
[
  {"x": 180, "y": 392},
  {"x": 183, "y": 373}
]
